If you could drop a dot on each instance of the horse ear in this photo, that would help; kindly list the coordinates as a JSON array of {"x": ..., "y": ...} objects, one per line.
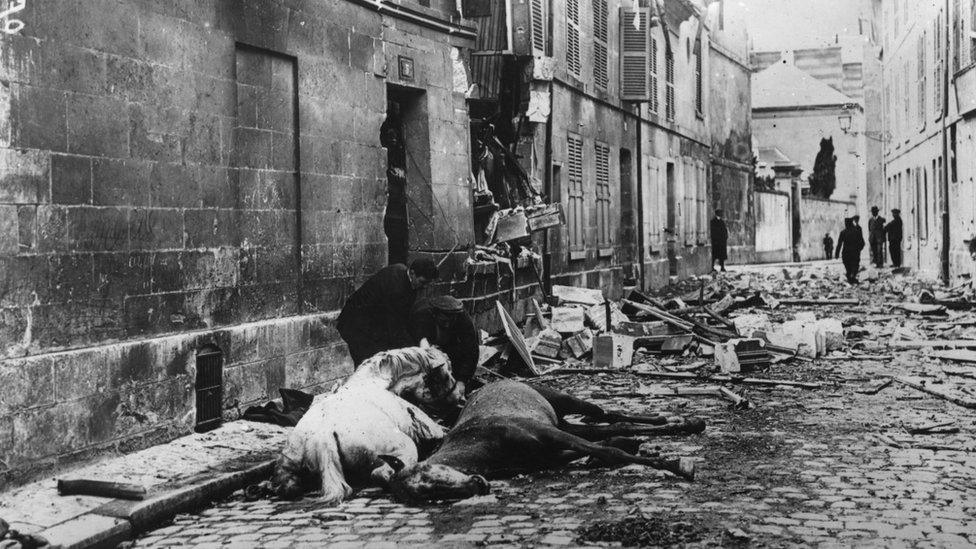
[
  {"x": 424, "y": 344},
  {"x": 393, "y": 462}
]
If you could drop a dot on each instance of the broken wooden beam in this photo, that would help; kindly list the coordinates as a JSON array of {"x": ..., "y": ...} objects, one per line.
[
  {"x": 957, "y": 355},
  {"x": 730, "y": 379},
  {"x": 923, "y": 343},
  {"x": 937, "y": 428},
  {"x": 738, "y": 401},
  {"x": 819, "y": 302},
  {"x": 101, "y": 488},
  {"x": 965, "y": 403},
  {"x": 874, "y": 387}
]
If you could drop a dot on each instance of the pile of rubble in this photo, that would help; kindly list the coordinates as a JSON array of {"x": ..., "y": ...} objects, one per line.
[{"x": 741, "y": 324}]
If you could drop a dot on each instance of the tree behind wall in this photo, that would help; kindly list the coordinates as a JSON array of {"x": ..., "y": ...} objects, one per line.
[{"x": 823, "y": 180}]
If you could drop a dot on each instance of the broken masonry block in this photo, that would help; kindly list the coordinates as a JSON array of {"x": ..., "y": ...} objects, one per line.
[
  {"x": 641, "y": 329},
  {"x": 583, "y": 296},
  {"x": 567, "y": 320},
  {"x": 747, "y": 325},
  {"x": 613, "y": 351},
  {"x": 676, "y": 345},
  {"x": 580, "y": 344},
  {"x": 596, "y": 316},
  {"x": 548, "y": 343},
  {"x": 742, "y": 355}
]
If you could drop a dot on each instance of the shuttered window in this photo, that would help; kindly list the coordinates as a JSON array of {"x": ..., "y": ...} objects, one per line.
[
  {"x": 690, "y": 189},
  {"x": 921, "y": 80},
  {"x": 633, "y": 54},
  {"x": 956, "y": 30},
  {"x": 602, "y": 196},
  {"x": 937, "y": 62},
  {"x": 702, "y": 201},
  {"x": 601, "y": 76},
  {"x": 653, "y": 102},
  {"x": 669, "y": 83},
  {"x": 538, "y": 15},
  {"x": 575, "y": 207},
  {"x": 699, "y": 99},
  {"x": 573, "y": 37}
]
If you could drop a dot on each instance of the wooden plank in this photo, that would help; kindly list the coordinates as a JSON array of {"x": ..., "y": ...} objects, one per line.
[
  {"x": 923, "y": 343},
  {"x": 958, "y": 355},
  {"x": 729, "y": 379},
  {"x": 965, "y": 403},
  {"x": 515, "y": 336}
]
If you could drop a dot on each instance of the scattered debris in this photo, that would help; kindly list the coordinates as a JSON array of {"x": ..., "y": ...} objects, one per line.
[
  {"x": 875, "y": 387},
  {"x": 101, "y": 488}
]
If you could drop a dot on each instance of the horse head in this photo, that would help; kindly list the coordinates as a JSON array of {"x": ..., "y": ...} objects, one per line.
[
  {"x": 421, "y": 375},
  {"x": 425, "y": 482},
  {"x": 439, "y": 386}
]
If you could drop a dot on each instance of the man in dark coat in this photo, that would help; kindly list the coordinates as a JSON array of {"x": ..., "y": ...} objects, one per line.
[
  {"x": 849, "y": 246},
  {"x": 876, "y": 237},
  {"x": 828, "y": 246},
  {"x": 894, "y": 232},
  {"x": 444, "y": 323},
  {"x": 720, "y": 239},
  {"x": 376, "y": 316}
]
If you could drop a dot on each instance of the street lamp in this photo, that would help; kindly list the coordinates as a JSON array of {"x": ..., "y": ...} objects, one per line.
[
  {"x": 845, "y": 120},
  {"x": 845, "y": 123}
]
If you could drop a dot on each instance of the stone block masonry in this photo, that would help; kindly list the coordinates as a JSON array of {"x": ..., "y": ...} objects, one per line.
[{"x": 179, "y": 173}]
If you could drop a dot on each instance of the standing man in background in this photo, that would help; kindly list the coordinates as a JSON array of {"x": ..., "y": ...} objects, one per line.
[
  {"x": 876, "y": 237},
  {"x": 720, "y": 239},
  {"x": 849, "y": 246},
  {"x": 894, "y": 232}
]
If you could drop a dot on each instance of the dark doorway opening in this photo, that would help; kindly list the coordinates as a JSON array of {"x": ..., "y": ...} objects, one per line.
[
  {"x": 672, "y": 229},
  {"x": 209, "y": 388},
  {"x": 405, "y": 135},
  {"x": 627, "y": 230}
]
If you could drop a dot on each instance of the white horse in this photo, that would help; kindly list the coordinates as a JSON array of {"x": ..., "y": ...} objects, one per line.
[{"x": 339, "y": 441}]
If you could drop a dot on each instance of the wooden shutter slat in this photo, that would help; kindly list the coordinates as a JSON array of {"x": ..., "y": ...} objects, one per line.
[{"x": 634, "y": 53}]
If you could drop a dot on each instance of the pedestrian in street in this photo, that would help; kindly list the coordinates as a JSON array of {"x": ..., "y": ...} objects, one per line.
[
  {"x": 828, "y": 246},
  {"x": 894, "y": 232},
  {"x": 876, "y": 237},
  {"x": 720, "y": 239},
  {"x": 443, "y": 322},
  {"x": 376, "y": 316},
  {"x": 849, "y": 246}
]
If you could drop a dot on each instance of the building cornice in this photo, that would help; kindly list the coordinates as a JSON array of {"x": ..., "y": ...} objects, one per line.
[{"x": 420, "y": 15}]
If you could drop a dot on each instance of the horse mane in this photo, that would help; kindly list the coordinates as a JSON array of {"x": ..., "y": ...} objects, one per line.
[{"x": 405, "y": 360}]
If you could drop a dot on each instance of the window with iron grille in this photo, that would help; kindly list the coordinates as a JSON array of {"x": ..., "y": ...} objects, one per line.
[
  {"x": 601, "y": 75},
  {"x": 921, "y": 80},
  {"x": 603, "y": 196},
  {"x": 633, "y": 54},
  {"x": 573, "y": 36},
  {"x": 209, "y": 388},
  {"x": 574, "y": 194},
  {"x": 937, "y": 79},
  {"x": 652, "y": 73},
  {"x": 669, "y": 83}
]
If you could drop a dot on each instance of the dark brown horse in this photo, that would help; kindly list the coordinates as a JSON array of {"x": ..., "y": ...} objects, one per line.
[{"x": 509, "y": 427}]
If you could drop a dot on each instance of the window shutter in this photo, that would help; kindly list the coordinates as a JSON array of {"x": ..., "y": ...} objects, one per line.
[
  {"x": 634, "y": 54},
  {"x": 528, "y": 27},
  {"x": 921, "y": 79},
  {"x": 575, "y": 210},
  {"x": 573, "y": 37},
  {"x": 601, "y": 76},
  {"x": 937, "y": 67},
  {"x": 699, "y": 100},
  {"x": 669, "y": 83},
  {"x": 603, "y": 195},
  {"x": 653, "y": 103}
]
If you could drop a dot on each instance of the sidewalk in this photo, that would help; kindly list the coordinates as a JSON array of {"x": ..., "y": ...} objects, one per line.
[{"x": 179, "y": 476}]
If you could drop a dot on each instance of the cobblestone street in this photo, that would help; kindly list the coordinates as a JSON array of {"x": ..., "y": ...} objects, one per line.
[{"x": 828, "y": 466}]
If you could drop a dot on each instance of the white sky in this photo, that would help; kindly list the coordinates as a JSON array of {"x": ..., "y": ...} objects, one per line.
[{"x": 793, "y": 24}]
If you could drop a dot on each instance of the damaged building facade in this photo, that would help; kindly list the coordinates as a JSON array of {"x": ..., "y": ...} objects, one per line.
[
  {"x": 612, "y": 112},
  {"x": 189, "y": 190}
]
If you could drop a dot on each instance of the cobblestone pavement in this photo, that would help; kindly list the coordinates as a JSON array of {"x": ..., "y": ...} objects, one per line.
[{"x": 803, "y": 467}]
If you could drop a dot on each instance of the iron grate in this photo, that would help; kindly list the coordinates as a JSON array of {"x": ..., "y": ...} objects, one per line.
[{"x": 209, "y": 390}]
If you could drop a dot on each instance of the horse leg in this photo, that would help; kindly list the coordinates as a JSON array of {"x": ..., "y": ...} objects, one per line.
[
  {"x": 566, "y": 404},
  {"x": 400, "y": 452},
  {"x": 571, "y": 444},
  {"x": 600, "y": 432},
  {"x": 334, "y": 485}
]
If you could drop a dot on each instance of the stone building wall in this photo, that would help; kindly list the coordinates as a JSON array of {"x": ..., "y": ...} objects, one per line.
[{"x": 178, "y": 173}]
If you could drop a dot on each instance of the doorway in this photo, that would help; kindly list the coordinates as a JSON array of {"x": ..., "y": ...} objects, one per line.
[
  {"x": 672, "y": 228},
  {"x": 405, "y": 135}
]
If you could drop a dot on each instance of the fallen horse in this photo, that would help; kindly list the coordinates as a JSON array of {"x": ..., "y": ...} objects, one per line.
[
  {"x": 337, "y": 442},
  {"x": 509, "y": 427}
]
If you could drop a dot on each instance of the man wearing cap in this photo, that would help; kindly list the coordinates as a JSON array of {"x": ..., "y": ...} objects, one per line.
[
  {"x": 894, "y": 232},
  {"x": 444, "y": 323},
  {"x": 876, "y": 237},
  {"x": 375, "y": 317}
]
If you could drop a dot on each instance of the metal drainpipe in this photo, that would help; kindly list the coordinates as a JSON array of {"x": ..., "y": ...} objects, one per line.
[
  {"x": 639, "y": 154},
  {"x": 945, "y": 150},
  {"x": 546, "y": 254}
]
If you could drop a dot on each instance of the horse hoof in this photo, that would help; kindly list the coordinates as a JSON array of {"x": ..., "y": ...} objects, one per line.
[{"x": 686, "y": 468}]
